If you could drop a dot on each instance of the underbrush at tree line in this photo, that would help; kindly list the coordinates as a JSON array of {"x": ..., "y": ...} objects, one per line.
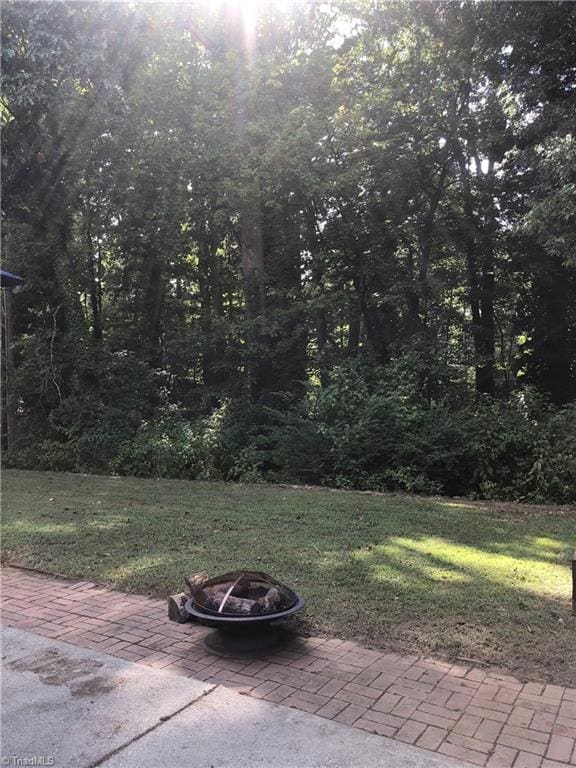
[{"x": 369, "y": 428}]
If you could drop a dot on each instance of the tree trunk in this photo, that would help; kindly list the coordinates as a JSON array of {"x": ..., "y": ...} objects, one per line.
[
  {"x": 8, "y": 368},
  {"x": 485, "y": 372},
  {"x": 214, "y": 374},
  {"x": 69, "y": 320},
  {"x": 252, "y": 254},
  {"x": 552, "y": 316},
  {"x": 153, "y": 306},
  {"x": 481, "y": 286},
  {"x": 320, "y": 320},
  {"x": 282, "y": 237},
  {"x": 412, "y": 297},
  {"x": 95, "y": 289},
  {"x": 259, "y": 364},
  {"x": 426, "y": 242},
  {"x": 355, "y": 324},
  {"x": 205, "y": 310},
  {"x": 378, "y": 321},
  {"x": 354, "y": 332},
  {"x": 378, "y": 331}
]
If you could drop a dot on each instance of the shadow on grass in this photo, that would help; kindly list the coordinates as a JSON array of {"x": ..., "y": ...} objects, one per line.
[
  {"x": 415, "y": 600},
  {"x": 442, "y": 578}
]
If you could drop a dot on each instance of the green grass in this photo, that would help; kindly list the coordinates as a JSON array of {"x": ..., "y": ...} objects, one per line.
[{"x": 451, "y": 578}]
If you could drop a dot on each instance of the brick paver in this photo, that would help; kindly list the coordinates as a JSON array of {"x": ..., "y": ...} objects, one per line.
[{"x": 479, "y": 716}]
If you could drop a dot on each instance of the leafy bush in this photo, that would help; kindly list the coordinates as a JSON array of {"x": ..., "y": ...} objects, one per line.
[
  {"x": 369, "y": 429},
  {"x": 552, "y": 475},
  {"x": 376, "y": 431},
  {"x": 84, "y": 431},
  {"x": 169, "y": 446}
]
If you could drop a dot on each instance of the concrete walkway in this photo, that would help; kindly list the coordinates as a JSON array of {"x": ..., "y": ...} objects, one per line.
[
  {"x": 79, "y": 708},
  {"x": 480, "y": 716}
]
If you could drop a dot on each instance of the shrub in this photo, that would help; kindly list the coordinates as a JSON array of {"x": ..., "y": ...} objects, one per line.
[
  {"x": 170, "y": 446},
  {"x": 370, "y": 429}
]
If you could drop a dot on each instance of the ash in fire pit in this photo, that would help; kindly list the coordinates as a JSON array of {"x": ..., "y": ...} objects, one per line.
[{"x": 241, "y": 606}]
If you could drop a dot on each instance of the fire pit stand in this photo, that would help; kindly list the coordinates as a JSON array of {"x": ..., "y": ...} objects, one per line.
[{"x": 253, "y": 632}]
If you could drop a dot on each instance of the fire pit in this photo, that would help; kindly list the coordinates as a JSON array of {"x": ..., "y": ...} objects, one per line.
[{"x": 243, "y": 607}]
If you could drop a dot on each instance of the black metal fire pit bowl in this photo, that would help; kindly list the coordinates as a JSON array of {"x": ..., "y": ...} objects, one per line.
[{"x": 241, "y": 636}]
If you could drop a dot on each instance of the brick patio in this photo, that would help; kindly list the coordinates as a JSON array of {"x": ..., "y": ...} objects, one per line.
[{"x": 476, "y": 715}]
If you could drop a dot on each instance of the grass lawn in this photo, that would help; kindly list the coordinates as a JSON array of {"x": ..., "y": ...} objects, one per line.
[{"x": 486, "y": 582}]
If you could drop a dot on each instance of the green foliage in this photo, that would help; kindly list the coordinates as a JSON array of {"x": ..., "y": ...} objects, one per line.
[
  {"x": 553, "y": 473},
  {"x": 85, "y": 430},
  {"x": 169, "y": 447},
  {"x": 368, "y": 430},
  {"x": 375, "y": 431},
  {"x": 310, "y": 259},
  {"x": 551, "y": 217}
]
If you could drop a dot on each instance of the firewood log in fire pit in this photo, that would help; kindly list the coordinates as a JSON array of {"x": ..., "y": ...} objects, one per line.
[
  {"x": 272, "y": 601},
  {"x": 176, "y": 610},
  {"x": 240, "y": 605},
  {"x": 242, "y": 588},
  {"x": 176, "y": 603},
  {"x": 195, "y": 581}
]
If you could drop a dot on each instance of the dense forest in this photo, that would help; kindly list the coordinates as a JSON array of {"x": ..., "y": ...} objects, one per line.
[{"x": 310, "y": 242}]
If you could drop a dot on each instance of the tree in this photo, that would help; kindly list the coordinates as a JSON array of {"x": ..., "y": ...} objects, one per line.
[{"x": 231, "y": 221}]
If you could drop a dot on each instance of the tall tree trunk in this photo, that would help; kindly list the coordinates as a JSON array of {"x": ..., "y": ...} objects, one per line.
[
  {"x": 485, "y": 375},
  {"x": 289, "y": 336},
  {"x": 426, "y": 242},
  {"x": 378, "y": 331},
  {"x": 153, "y": 306},
  {"x": 215, "y": 279},
  {"x": 412, "y": 296},
  {"x": 205, "y": 309},
  {"x": 95, "y": 288},
  {"x": 378, "y": 318},
  {"x": 354, "y": 329},
  {"x": 355, "y": 324},
  {"x": 8, "y": 395},
  {"x": 551, "y": 313},
  {"x": 252, "y": 254},
  {"x": 69, "y": 319},
  {"x": 211, "y": 309},
  {"x": 481, "y": 286},
  {"x": 319, "y": 317},
  {"x": 259, "y": 364}
]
